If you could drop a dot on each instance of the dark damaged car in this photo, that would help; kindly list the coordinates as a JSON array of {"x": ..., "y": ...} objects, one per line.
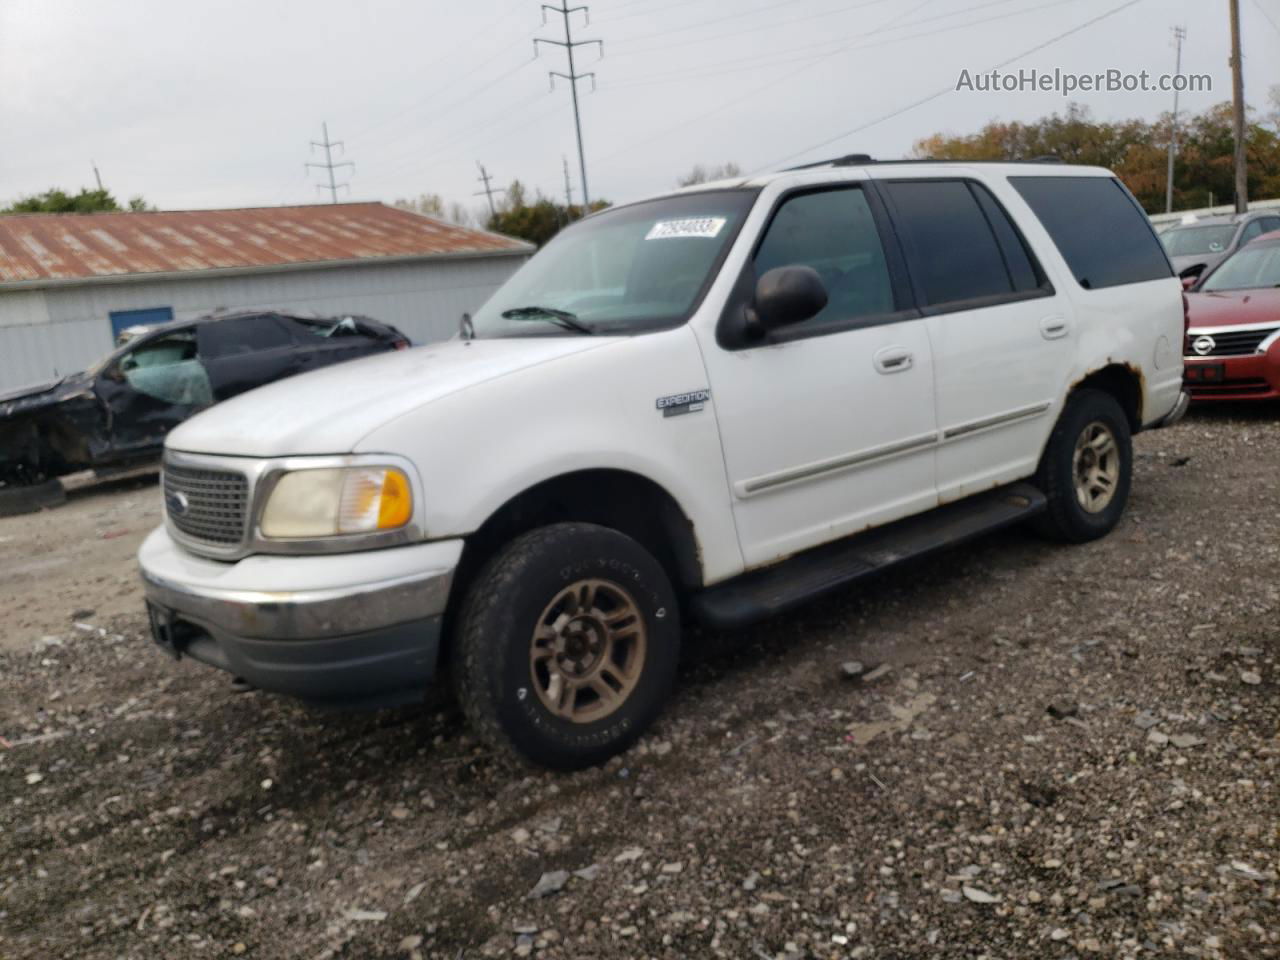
[{"x": 119, "y": 411}]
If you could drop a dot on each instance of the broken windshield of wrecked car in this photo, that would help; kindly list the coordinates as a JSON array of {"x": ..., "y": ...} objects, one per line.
[{"x": 637, "y": 268}]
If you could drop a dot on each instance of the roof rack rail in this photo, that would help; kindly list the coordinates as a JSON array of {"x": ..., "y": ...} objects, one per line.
[
  {"x": 860, "y": 159},
  {"x": 848, "y": 160}
]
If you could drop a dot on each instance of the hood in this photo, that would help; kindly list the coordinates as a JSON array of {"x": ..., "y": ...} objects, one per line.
[
  {"x": 1210, "y": 260},
  {"x": 330, "y": 410},
  {"x": 1230, "y": 307},
  {"x": 37, "y": 395},
  {"x": 30, "y": 391}
]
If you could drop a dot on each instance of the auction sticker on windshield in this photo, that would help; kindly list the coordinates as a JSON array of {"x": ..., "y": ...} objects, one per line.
[{"x": 690, "y": 227}]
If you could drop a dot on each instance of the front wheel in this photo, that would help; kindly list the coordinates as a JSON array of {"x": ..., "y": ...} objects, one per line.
[
  {"x": 567, "y": 645},
  {"x": 1086, "y": 469}
]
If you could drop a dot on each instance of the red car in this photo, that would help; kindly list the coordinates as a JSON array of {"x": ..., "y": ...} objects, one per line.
[{"x": 1233, "y": 337}]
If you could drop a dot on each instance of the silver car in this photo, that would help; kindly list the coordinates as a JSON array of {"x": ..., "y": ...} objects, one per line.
[{"x": 1199, "y": 245}]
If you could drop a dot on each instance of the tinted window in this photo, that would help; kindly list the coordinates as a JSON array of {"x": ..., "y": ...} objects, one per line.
[
  {"x": 1098, "y": 228},
  {"x": 1252, "y": 229},
  {"x": 834, "y": 232},
  {"x": 243, "y": 335},
  {"x": 1024, "y": 269},
  {"x": 954, "y": 254}
]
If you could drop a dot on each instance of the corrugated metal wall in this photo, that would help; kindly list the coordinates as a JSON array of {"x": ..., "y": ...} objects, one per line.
[{"x": 46, "y": 333}]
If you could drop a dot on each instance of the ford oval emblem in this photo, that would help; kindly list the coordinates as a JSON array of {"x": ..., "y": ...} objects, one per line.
[{"x": 177, "y": 502}]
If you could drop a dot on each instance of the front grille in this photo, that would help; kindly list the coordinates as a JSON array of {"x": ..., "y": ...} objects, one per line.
[
  {"x": 1233, "y": 343},
  {"x": 216, "y": 503}
]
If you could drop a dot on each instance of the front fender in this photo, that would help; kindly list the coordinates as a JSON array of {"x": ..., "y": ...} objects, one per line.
[{"x": 480, "y": 447}]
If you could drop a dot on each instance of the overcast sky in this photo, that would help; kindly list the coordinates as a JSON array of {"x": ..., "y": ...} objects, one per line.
[{"x": 212, "y": 105}]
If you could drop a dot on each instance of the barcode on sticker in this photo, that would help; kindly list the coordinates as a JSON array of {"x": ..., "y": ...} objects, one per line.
[{"x": 691, "y": 227}]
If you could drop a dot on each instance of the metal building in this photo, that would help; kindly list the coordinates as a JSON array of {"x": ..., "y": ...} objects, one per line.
[{"x": 70, "y": 282}]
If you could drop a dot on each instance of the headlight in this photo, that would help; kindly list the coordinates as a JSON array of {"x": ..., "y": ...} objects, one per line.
[{"x": 334, "y": 501}]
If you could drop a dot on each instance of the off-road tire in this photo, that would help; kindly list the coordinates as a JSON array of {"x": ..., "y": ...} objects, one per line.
[
  {"x": 15, "y": 500},
  {"x": 492, "y": 673},
  {"x": 1066, "y": 519}
]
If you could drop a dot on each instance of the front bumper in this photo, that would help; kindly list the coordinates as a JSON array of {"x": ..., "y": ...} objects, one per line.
[
  {"x": 1177, "y": 413},
  {"x": 342, "y": 628},
  {"x": 1252, "y": 377}
]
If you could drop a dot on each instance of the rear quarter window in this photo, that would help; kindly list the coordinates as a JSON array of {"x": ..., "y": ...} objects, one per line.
[{"x": 1098, "y": 228}]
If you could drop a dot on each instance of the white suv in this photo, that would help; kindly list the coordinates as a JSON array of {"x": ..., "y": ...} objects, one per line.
[{"x": 711, "y": 405}]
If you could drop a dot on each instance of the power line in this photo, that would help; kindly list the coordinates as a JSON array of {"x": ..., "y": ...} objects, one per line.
[
  {"x": 829, "y": 47},
  {"x": 464, "y": 48},
  {"x": 569, "y": 45},
  {"x": 453, "y": 144},
  {"x": 810, "y": 62},
  {"x": 943, "y": 92},
  {"x": 1263, "y": 10},
  {"x": 488, "y": 190},
  {"x": 328, "y": 164},
  {"x": 504, "y": 133}
]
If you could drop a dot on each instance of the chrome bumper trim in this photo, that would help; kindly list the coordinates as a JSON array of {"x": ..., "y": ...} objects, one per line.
[
  {"x": 305, "y": 614},
  {"x": 1178, "y": 412}
]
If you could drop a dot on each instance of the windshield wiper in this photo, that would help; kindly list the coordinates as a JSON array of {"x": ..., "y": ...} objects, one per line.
[{"x": 562, "y": 318}]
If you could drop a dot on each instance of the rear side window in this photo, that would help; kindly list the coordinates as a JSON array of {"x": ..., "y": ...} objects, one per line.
[
  {"x": 223, "y": 338},
  {"x": 962, "y": 245},
  {"x": 1098, "y": 228}
]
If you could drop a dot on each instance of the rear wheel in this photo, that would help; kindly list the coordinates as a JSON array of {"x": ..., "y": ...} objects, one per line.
[
  {"x": 567, "y": 645},
  {"x": 1087, "y": 469}
]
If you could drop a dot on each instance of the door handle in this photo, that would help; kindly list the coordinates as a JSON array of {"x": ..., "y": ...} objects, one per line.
[
  {"x": 894, "y": 360},
  {"x": 1054, "y": 328}
]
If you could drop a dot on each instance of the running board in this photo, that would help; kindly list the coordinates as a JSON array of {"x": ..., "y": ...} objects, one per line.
[{"x": 764, "y": 593}]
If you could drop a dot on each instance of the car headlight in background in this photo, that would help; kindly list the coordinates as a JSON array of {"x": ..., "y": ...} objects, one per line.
[{"x": 334, "y": 501}]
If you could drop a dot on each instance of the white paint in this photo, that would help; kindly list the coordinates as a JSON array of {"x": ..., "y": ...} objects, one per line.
[{"x": 799, "y": 443}]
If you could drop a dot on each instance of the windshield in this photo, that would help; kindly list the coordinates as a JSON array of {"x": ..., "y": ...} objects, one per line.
[
  {"x": 1250, "y": 268},
  {"x": 1189, "y": 241},
  {"x": 641, "y": 267}
]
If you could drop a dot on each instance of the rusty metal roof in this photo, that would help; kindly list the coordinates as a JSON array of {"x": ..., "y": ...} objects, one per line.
[{"x": 36, "y": 249}]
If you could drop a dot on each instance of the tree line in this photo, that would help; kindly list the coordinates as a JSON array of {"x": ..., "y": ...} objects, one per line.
[
  {"x": 1137, "y": 150},
  {"x": 86, "y": 201}
]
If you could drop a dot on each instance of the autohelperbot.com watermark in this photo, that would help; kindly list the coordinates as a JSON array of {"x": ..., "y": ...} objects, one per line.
[{"x": 1067, "y": 83}]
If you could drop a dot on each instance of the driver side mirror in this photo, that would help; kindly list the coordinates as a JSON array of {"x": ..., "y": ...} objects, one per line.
[
  {"x": 1191, "y": 281},
  {"x": 786, "y": 295}
]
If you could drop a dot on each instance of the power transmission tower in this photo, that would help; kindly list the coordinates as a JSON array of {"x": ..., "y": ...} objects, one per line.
[
  {"x": 568, "y": 189},
  {"x": 328, "y": 164},
  {"x": 1237, "y": 98},
  {"x": 569, "y": 44},
  {"x": 1179, "y": 34},
  {"x": 488, "y": 191}
]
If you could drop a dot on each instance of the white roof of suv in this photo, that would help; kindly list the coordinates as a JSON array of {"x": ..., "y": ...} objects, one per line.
[{"x": 896, "y": 168}]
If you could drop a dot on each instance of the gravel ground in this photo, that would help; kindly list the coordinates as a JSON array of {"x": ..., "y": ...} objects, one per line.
[{"x": 1068, "y": 752}]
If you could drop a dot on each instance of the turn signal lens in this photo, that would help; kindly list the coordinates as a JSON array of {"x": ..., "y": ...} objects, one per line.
[
  {"x": 374, "y": 498},
  {"x": 335, "y": 501}
]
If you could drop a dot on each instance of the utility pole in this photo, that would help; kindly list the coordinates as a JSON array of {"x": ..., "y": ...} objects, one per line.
[
  {"x": 97, "y": 176},
  {"x": 1237, "y": 98},
  {"x": 488, "y": 191},
  {"x": 569, "y": 44},
  {"x": 327, "y": 145},
  {"x": 1179, "y": 34}
]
